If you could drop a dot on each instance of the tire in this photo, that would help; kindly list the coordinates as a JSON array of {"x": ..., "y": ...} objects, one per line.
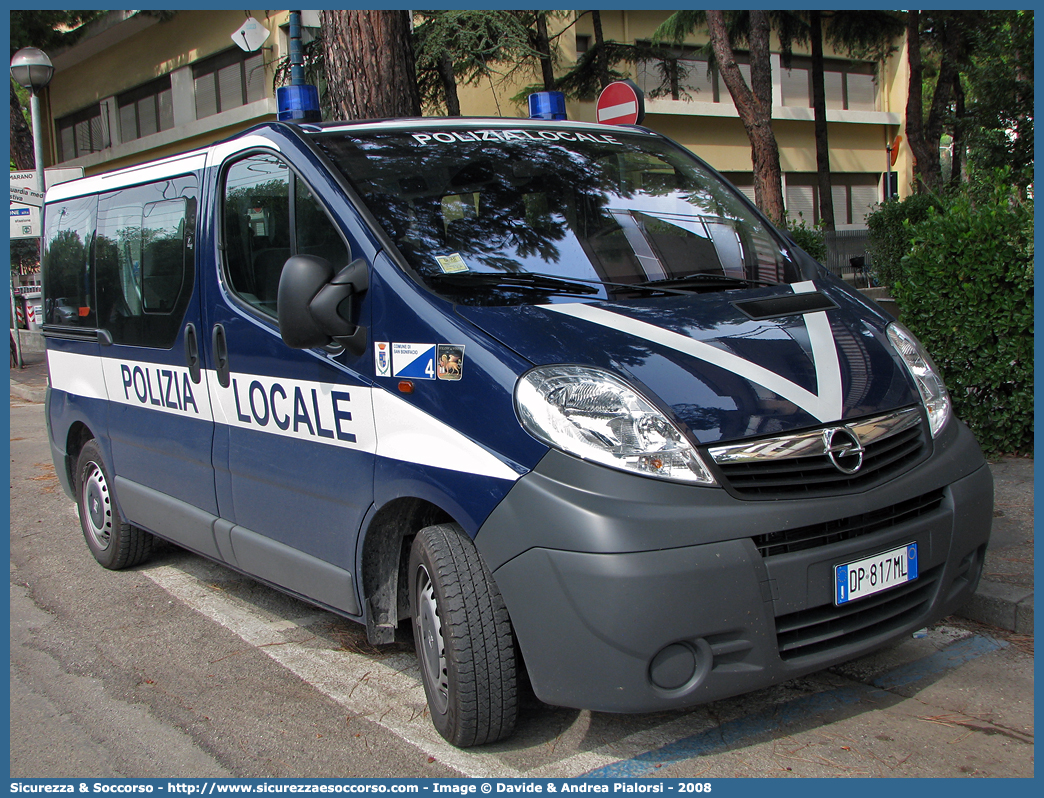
[
  {"x": 463, "y": 638},
  {"x": 114, "y": 543}
]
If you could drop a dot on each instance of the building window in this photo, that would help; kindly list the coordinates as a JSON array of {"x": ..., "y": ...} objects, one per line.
[
  {"x": 228, "y": 80},
  {"x": 744, "y": 181},
  {"x": 684, "y": 75},
  {"x": 583, "y": 44},
  {"x": 849, "y": 85},
  {"x": 854, "y": 197},
  {"x": 82, "y": 133},
  {"x": 146, "y": 110}
]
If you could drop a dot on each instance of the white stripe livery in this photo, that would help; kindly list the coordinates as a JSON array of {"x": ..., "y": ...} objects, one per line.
[
  {"x": 826, "y": 405},
  {"x": 354, "y": 417}
]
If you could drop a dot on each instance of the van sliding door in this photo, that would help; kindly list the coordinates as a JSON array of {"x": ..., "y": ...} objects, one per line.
[{"x": 148, "y": 310}]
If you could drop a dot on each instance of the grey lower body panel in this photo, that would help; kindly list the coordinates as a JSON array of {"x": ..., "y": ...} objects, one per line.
[
  {"x": 271, "y": 561},
  {"x": 638, "y": 629}
]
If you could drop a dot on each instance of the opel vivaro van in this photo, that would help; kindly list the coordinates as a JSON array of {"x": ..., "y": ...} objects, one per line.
[{"x": 555, "y": 393}]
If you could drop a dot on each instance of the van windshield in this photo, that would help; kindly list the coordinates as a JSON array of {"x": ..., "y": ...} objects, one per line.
[{"x": 590, "y": 208}]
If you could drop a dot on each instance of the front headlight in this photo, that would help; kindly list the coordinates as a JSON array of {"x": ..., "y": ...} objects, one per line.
[
  {"x": 933, "y": 392},
  {"x": 592, "y": 414}
]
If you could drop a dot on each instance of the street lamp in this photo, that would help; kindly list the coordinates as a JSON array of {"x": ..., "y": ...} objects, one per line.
[{"x": 32, "y": 69}]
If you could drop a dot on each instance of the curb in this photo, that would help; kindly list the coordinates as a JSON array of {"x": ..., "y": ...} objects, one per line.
[
  {"x": 1004, "y": 606},
  {"x": 27, "y": 393}
]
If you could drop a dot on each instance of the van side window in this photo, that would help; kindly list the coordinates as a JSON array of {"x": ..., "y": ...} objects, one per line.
[
  {"x": 316, "y": 234},
  {"x": 144, "y": 262},
  {"x": 67, "y": 281},
  {"x": 269, "y": 214}
]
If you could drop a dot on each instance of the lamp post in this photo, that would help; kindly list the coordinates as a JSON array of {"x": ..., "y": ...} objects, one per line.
[{"x": 31, "y": 69}]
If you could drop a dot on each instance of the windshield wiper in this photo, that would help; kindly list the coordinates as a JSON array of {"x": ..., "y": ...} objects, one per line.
[
  {"x": 705, "y": 280},
  {"x": 539, "y": 282},
  {"x": 547, "y": 282}
]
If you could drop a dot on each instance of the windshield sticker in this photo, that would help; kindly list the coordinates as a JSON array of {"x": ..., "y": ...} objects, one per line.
[
  {"x": 451, "y": 362},
  {"x": 413, "y": 361},
  {"x": 515, "y": 135},
  {"x": 382, "y": 358},
  {"x": 452, "y": 264}
]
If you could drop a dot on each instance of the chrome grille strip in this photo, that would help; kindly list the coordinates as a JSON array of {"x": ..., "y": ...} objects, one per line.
[{"x": 814, "y": 443}]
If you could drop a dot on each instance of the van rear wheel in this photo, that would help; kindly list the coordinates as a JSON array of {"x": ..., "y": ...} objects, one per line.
[
  {"x": 114, "y": 543},
  {"x": 463, "y": 638}
]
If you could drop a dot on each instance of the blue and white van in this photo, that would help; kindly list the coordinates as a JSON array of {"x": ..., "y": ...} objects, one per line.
[{"x": 555, "y": 392}]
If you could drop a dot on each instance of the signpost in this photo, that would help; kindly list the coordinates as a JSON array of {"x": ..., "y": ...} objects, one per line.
[
  {"x": 26, "y": 199},
  {"x": 26, "y": 206},
  {"x": 621, "y": 103}
]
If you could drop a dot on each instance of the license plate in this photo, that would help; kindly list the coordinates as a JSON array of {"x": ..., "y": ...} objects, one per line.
[{"x": 861, "y": 578}]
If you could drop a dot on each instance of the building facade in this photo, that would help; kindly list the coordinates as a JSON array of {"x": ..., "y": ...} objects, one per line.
[{"x": 137, "y": 87}]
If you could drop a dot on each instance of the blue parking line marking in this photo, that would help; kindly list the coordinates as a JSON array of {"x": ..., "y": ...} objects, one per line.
[{"x": 735, "y": 731}]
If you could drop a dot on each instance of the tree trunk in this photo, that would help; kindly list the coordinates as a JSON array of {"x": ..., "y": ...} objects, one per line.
[
  {"x": 21, "y": 137},
  {"x": 826, "y": 199},
  {"x": 542, "y": 44},
  {"x": 755, "y": 114},
  {"x": 924, "y": 135},
  {"x": 369, "y": 64},
  {"x": 914, "y": 96},
  {"x": 948, "y": 76},
  {"x": 449, "y": 84},
  {"x": 601, "y": 57},
  {"x": 673, "y": 78},
  {"x": 760, "y": 64},
  {"x": 957, "y": 160}
]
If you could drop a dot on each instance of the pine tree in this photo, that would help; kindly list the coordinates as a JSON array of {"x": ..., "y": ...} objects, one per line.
[
  {"x": 370, "y": 72},
  {"x": 455, "y": 48}
]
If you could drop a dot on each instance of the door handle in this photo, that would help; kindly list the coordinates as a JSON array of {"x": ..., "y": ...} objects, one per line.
[
  {"x": 220, "y": 348},
  {"x": 192, "y": 353}
]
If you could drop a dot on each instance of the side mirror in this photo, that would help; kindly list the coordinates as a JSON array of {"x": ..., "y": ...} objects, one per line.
[{"x": 314, "y": 305}]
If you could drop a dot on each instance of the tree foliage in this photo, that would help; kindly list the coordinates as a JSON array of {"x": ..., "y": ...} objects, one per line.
[
  {"x": 999, "y": 117},
  {"x": 455, "y": 48},
  {"x": 977, "y": 69}
]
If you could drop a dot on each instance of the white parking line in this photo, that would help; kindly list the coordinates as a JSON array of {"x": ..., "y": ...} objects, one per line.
[{"x": 388, "y": 692}]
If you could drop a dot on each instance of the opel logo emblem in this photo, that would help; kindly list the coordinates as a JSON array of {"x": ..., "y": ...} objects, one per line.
[{"x": 844, "y": 449}]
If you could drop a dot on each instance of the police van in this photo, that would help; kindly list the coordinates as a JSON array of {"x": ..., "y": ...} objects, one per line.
[{"x": 556, "y": 393}]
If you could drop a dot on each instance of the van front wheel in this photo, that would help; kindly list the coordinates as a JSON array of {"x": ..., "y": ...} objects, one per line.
[
  {"x": 114, "y": 543},
  {"x": 463, "y": 638}
]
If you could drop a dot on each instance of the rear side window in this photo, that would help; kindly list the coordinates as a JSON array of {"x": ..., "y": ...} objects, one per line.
[
  {"x": 269, "y": 214},
  {"x": 67, "y": 280},
  {"x": 144, "y": 262}
]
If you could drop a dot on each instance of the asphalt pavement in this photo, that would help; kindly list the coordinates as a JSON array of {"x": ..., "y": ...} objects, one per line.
[{"x": 1005, "y": 595}]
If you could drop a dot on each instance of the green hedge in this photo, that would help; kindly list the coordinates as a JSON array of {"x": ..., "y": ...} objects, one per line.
[
  {"x": 967, "y": 293},
  {"x": 889, "y": 238},
  {"x": 810, "y": 239}
]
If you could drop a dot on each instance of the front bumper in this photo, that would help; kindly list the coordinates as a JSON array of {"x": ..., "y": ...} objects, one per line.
[{"x": 634, "y": 595}]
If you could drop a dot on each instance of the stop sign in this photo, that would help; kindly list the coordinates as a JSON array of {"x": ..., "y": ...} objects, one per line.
[{"x": 620, "y": 103}]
